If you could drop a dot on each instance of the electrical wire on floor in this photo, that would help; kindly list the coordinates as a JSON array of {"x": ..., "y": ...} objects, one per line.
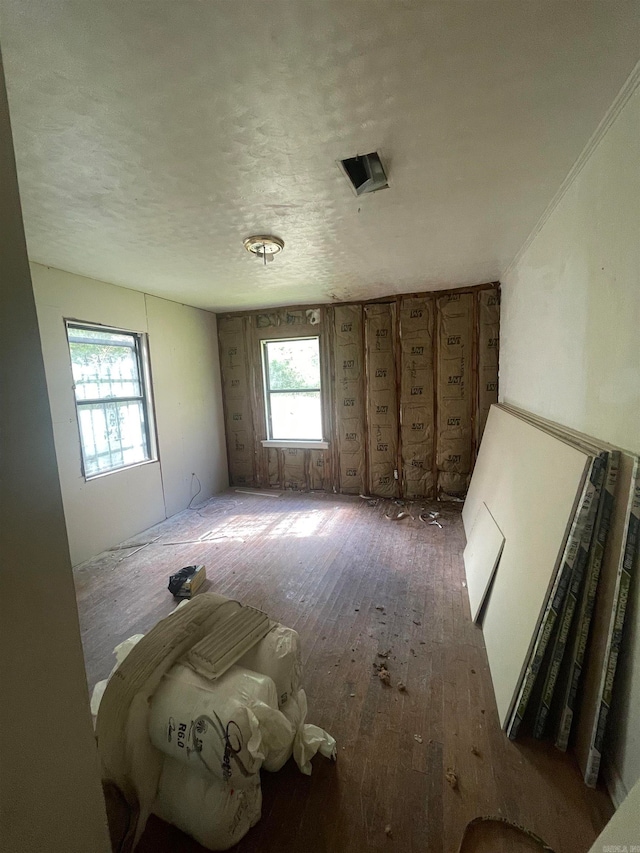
[{"x": 193, "y": 497}]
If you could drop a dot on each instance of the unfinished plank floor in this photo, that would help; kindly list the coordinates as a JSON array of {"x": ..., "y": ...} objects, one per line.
[{"x": 353, "y": 584}]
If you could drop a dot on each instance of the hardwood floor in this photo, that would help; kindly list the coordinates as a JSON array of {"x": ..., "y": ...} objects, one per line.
[{"x": 354, "y": 584}]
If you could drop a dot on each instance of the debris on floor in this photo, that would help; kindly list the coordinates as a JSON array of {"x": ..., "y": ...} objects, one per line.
[
  {"x": 418, "y": 738},
  {"x": 383, "y": 674},
  {"x": 475, "y": 750},
  {"x": 387, "y": 830},
  {"x": 384, "y": 654},
  {"x": 451, "y": 778},
  {"x": 402, "y": 687}
]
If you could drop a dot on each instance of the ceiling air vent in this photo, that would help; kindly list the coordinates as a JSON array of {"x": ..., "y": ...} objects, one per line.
[{"x": 365, "y": 173}]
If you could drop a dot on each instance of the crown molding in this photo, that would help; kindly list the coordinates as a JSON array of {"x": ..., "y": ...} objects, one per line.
[{"x": 631, "y": 84}]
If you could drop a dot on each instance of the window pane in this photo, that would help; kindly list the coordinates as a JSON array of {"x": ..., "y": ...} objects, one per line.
[
  {"x": 113, "y": 435},
  {"x": 104, "y": 364},
  {"x": 296, "y": 416},
  {"x": 293, "y": 364}
]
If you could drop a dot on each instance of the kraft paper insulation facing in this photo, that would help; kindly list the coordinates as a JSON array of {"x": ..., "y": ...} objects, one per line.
[
  {"x": 382, "y": 406},
  {"x": 454, "y": 402},
  {"x": 406, "y": 387},
  {"x": 416, "y": 396},
  {"x": 488, "y": 354},
  {"x": 236, "y": 394},
  {"x": 349, "y": 396}
]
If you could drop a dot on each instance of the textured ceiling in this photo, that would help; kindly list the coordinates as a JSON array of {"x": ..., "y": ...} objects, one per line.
[{"x": 153, "y": 137}]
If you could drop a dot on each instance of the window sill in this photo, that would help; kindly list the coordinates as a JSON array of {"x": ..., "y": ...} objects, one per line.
[
  {"x": 102, "y": 474},
  {"x": 304, "y": 445}
]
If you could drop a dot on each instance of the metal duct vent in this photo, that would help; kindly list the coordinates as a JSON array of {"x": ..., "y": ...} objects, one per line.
[{"x": 365, "y": 173}]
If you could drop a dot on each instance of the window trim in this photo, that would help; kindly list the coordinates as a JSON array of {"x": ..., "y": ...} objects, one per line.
[
  {"x": 141, "y": 350},
  {"x": 311, "y": 443}
]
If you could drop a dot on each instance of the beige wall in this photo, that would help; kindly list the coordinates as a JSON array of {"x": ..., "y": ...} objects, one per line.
[
  {"x": 186, "y": 389},
  {"x": 50, "y": 795},
  {"x": 570, "y": 345},
  {"x": 570, "y": 341},
  {"x": 623, "y": 830}
]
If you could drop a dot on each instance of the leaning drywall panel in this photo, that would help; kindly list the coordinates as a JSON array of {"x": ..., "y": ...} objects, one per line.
[
  {"x": 571, "y": 673},
  {"x": 530, "y": 482},
  {"x": 417, "y": 396},
  {"x": 618, "y": 566},
  {"x": 382, "y": 402},
  {"x": 481, "y": 557},
  {"x": 622, "y": 743},
  {"x": 454, "y": 391},
  {"x": 349, "y": 398},
  {"x": 237, "y": 399},
  {"x": 565, "y": 612}
]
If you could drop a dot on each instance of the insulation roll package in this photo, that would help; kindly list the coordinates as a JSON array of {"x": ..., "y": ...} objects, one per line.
[
  {"x": 222, "y": 728},
  {"x": 217, "y": 814},
  {"x": 278, "y": 656}
]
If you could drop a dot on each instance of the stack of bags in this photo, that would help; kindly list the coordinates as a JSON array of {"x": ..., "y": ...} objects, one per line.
[{"x": 208, "y": 739}]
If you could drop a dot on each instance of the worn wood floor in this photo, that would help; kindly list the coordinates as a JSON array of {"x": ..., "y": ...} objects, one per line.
[{"x": 354, "y": 584}]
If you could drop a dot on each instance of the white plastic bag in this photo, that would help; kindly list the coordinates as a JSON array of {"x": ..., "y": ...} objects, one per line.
[
  {"x": 277, "y": 758},
  {"x": 311, "y": 739},
  {"x": 224, "y": 728},
  {"x": 217, "y": 814},
  {"x": 278, "y": 656}
]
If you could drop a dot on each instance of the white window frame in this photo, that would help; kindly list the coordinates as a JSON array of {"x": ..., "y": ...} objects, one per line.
[
  {"x": 309, "y": 444},
  {"x": 140, "y": 347}
]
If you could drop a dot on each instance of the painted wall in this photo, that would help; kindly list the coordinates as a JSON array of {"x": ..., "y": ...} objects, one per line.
[
  {"x": 50, "y": 794},
  {"x": 570, "y": 342},
  {"x": 623, "y": 830},
  {"x": 185, "y": 372},
  {"x": 570, "y": 346}
]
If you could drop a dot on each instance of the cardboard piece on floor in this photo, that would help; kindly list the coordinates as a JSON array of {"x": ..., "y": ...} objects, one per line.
[
  {"x": 531, "y": 482},
  {"x": 481, "y": 557},
  {"x": 617, "y": 567}
]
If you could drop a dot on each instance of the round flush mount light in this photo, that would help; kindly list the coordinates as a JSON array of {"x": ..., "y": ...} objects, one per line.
[{"x": 264, "y": 246}]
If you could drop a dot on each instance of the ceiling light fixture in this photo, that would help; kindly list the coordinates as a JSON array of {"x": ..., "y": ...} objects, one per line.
[{"x": 264, "y": 246}]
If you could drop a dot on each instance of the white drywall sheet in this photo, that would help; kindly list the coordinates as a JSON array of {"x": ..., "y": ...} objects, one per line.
[
  {"x": 530, "y": 482},
  {"x": 481, "y": 556}
]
